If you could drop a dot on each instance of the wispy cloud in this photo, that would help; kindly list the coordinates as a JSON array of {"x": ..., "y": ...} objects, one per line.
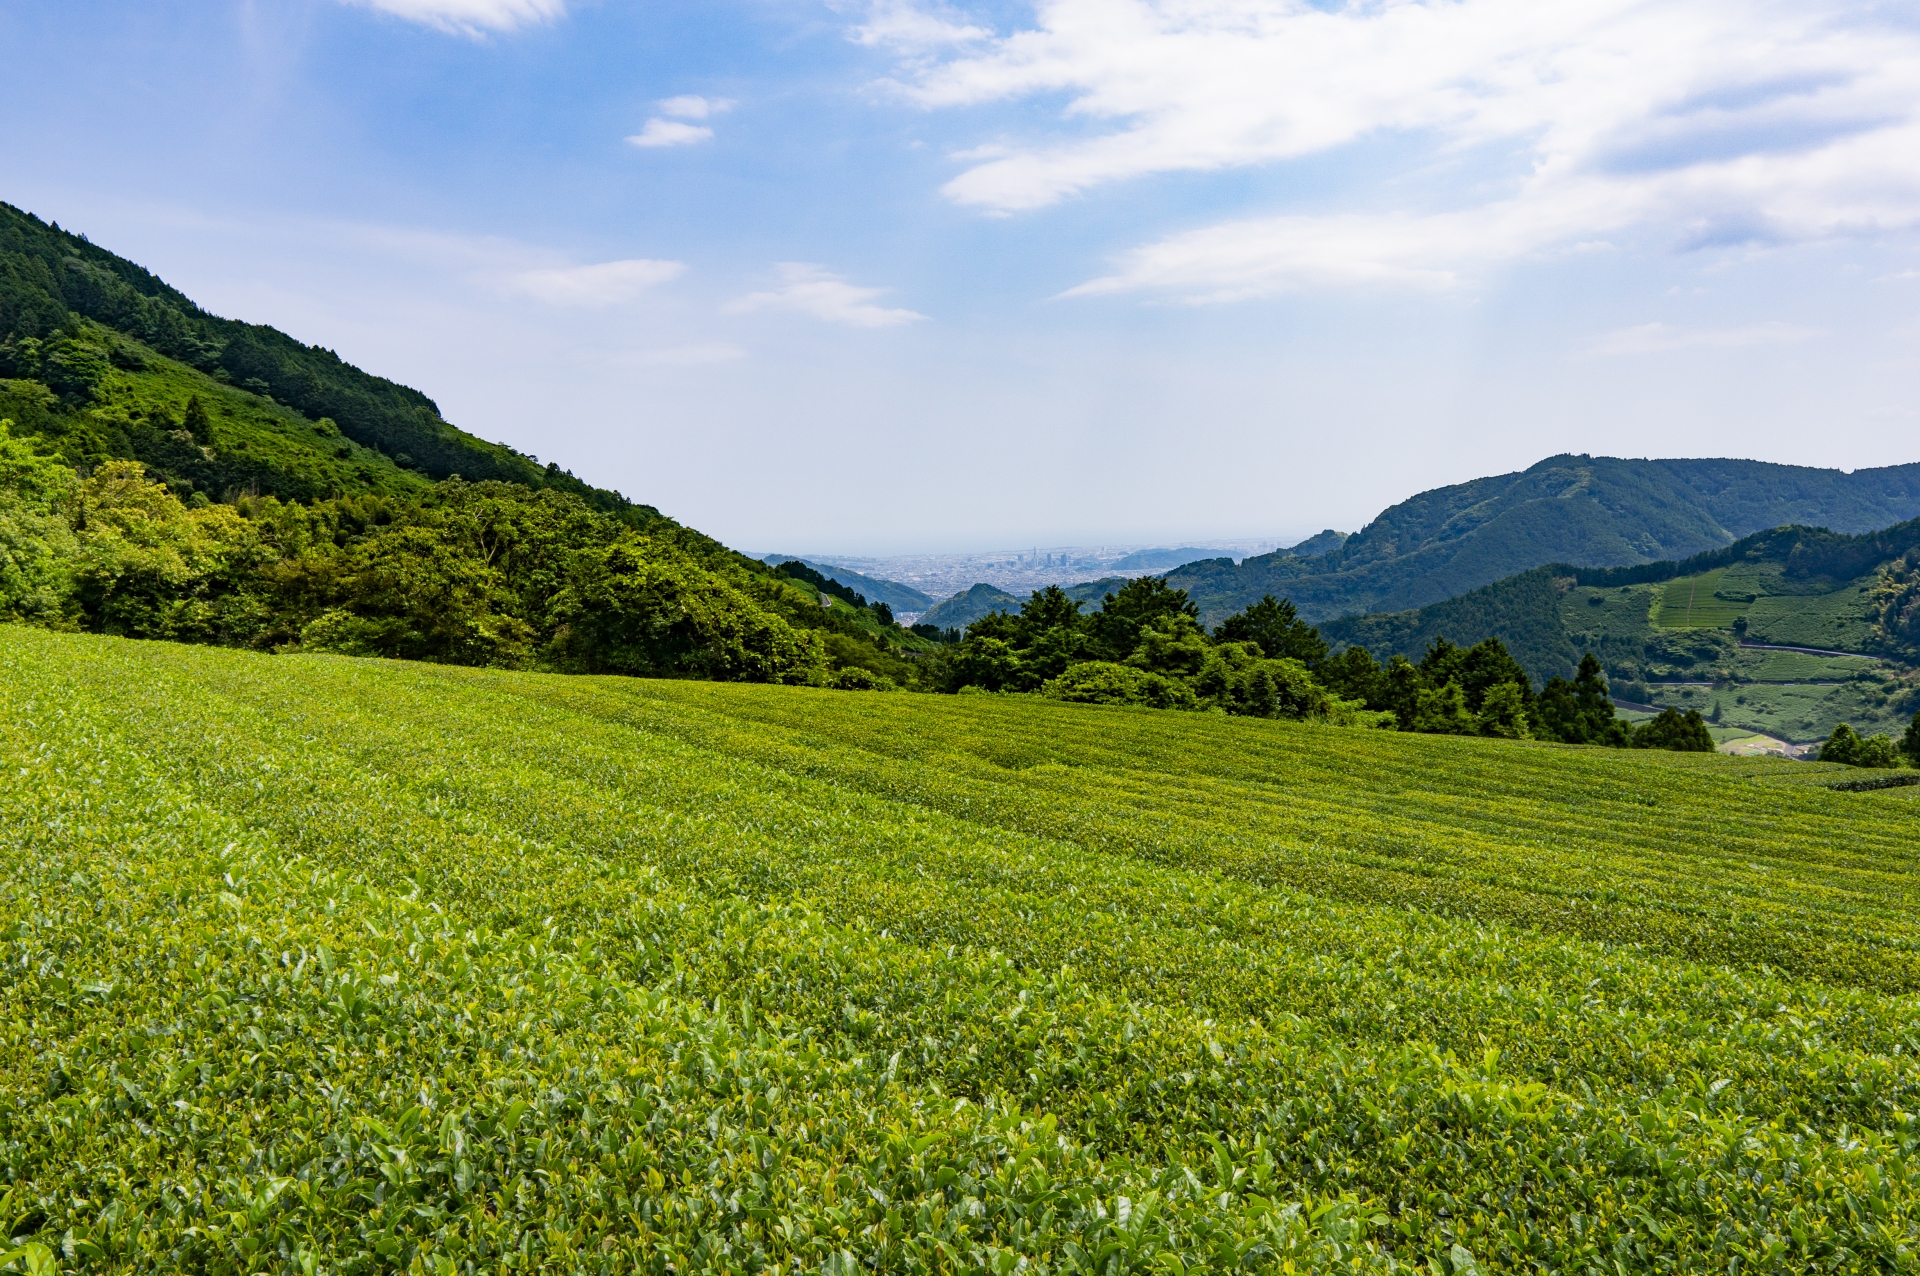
[
  {"x": 908, "y": 27},
  {"x": 1660, "y": 338},
  {"x": 673, "y": 131},
  {"x": 670, "y": 133},
  {"x": 471, "y": 17},
  {"x": 810, "y": 290},
  {"x": 606, "y": 284},
  {"x": 1698, "y": 122},
  {"x": 692, "y": 106}
]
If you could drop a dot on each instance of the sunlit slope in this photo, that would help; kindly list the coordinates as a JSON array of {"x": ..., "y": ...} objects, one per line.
[{"x": 307, "y": 955}]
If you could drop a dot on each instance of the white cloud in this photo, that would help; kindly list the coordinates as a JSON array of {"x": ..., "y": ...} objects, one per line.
[
  {"x": 660, "y": 132},
  {"x": 605, "y": 284},
  {"x": 471, "y": 17},
  {"x": 810, "y": 290},
  {"x": 1660, "y": 338},
  {"x": 907, "y": 27},
  {"x": 671, "y": 132},
  {"x": 1700, "y": 122},
  {"x": 694, "y": 107}
]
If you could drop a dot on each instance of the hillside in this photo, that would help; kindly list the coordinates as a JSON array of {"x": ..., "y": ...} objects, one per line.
[
  {"x": 1588, "y": 510},
  {"x": 166, "y": 473},
  {"x": 117, "y": 353},
  {"x": 1698, "y": 632},
  {"x": 963, "y": 609},
  {"x": 399, "y": 965},
  {"x": 902, "y": 598}
]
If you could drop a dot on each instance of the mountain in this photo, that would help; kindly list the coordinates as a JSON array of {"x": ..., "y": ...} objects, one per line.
[
  {"x": 1160, "y": 559},
  {"x": 1588, "y": 510},
  {"x": 962, "y": 610},
  {"x": 117, "y": 354},
  {"x": 1319, "y": 543},
  {"x": 875, "y": 590},
  {"x": 1676, "y": 631}
]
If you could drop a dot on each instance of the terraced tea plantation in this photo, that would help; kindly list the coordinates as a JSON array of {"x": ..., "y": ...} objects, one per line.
[{"x": 318, "y": 965}]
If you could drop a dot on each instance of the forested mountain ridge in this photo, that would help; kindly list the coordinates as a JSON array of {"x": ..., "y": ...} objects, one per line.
[
  {"x": 1715, "y": 619},
  {"x": 69, "y": 309},
  {"x": 1587, "y": 510}
]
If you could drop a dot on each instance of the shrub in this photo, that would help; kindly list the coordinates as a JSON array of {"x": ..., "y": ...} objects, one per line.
[{"x": 1683, "y": 733}]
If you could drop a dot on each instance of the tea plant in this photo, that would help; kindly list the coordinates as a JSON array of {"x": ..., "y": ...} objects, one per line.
[{"x": 309, "y": 964}]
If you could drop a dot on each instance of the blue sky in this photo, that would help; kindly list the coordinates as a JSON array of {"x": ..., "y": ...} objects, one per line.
[{"x": 889, "y": 276}]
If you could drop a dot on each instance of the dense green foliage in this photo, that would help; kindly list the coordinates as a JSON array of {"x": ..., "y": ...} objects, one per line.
[
  {"x": 1593, "y": 511},
  {"x": 794, "y": 569},
  {"x": 896, "y": 596},
  {"x": 198, "y": 435},
  {"x": 466, "y": 573},
  {"x": 1670, "y": 729},
  {"x": 1846, "y": 745},
  {"x": 72, "y": 313},
  {"x": 314, "y": 964},
  {"x": 1144, "y": 646}
]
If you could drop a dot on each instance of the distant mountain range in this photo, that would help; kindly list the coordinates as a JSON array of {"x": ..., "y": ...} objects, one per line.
[{"x": 1593, "y": 511}]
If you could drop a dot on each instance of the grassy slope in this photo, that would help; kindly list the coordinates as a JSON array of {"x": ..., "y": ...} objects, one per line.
[
  {"x": 347, "y": 912},
  {"x": 258, "y": 446}
]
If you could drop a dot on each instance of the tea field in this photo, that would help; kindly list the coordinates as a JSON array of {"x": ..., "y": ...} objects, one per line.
[{"x": 319, "y": 965}]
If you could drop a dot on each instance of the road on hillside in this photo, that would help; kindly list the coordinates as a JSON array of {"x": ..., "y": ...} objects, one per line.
[{"x": 1805, "y": 651}]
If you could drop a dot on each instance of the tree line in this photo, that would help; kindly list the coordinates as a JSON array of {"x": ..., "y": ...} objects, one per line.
[
  {"x": 487, "y": 573},
  {"x": 1145, "y": 646}
]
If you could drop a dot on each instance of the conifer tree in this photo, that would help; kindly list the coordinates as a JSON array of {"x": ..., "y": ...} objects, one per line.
[{"x": 196, "y": 422}]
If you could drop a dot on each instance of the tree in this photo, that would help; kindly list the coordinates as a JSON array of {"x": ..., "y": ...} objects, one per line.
[
  {"x": 1404, "y": 685},
  {"x": 1842, "y": 746},
  {"x": 1503, "y": 713},
  {"x": 196, "y": 422},
  {"x": 1173, "y": 644},
  {"x": 1846, "y": 745},
  {"x": 1558, "y": 709},
  {"x": 37, "y": 543},
  {"x": 1115, "y": 628},
  {"x": 1683, "y": 733},
  {"x": 1443, "y": 711},
  {"x": 1910, "y": 742},
  {"x": 989, "y": 663},
  {"x": 1276, "y": 627},
  {"x": 1581, "y": 711},
  {"x": 1879, "y": 751},
  {"x": 1103, "y": 682},
  {"x": 1353, "y": 675},
  {"x": 639, "y": 606},
  {"x": 1442, "y": 663},
  {"x": 1603, "y": 725},
  {"x": 1046, "y": 609}
]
